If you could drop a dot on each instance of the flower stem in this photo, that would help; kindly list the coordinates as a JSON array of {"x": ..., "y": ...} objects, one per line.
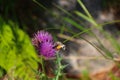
[
  {"x": 59, "y": 67},
  {"x": 43, "y": 68}
]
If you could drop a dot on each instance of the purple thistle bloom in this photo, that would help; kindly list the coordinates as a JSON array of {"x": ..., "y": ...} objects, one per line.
[
  {"x": 44, "y": 36},
  {"x": 43, "y": 41},
  {"x": 46, "y": 49},
  {"x": 41, "y": 36}
]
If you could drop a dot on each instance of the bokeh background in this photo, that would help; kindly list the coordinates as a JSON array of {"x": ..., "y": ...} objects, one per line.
[{"x": 20, "y": 19}]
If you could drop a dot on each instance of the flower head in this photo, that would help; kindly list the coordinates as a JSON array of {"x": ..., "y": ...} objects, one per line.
[
  {"x": 46, "y": 49},
  {"x": 43, "y": 41},
  {"x": 40, "y": 37}
]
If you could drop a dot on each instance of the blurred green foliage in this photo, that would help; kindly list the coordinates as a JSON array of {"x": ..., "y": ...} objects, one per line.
[{"x": 18, "y": 58}]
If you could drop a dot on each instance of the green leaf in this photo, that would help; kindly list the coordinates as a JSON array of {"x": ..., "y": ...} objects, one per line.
[
  {"x": 74, "y": 23},
  {"x": 86, "y": 18},
  {"x": 17, "y": 54}
]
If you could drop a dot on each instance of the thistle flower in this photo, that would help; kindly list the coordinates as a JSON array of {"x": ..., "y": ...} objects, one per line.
[
  {"x": 46, "y": 49},
  {"x": 43, "y": 41},
  {"x": 40, "y": 37}
]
